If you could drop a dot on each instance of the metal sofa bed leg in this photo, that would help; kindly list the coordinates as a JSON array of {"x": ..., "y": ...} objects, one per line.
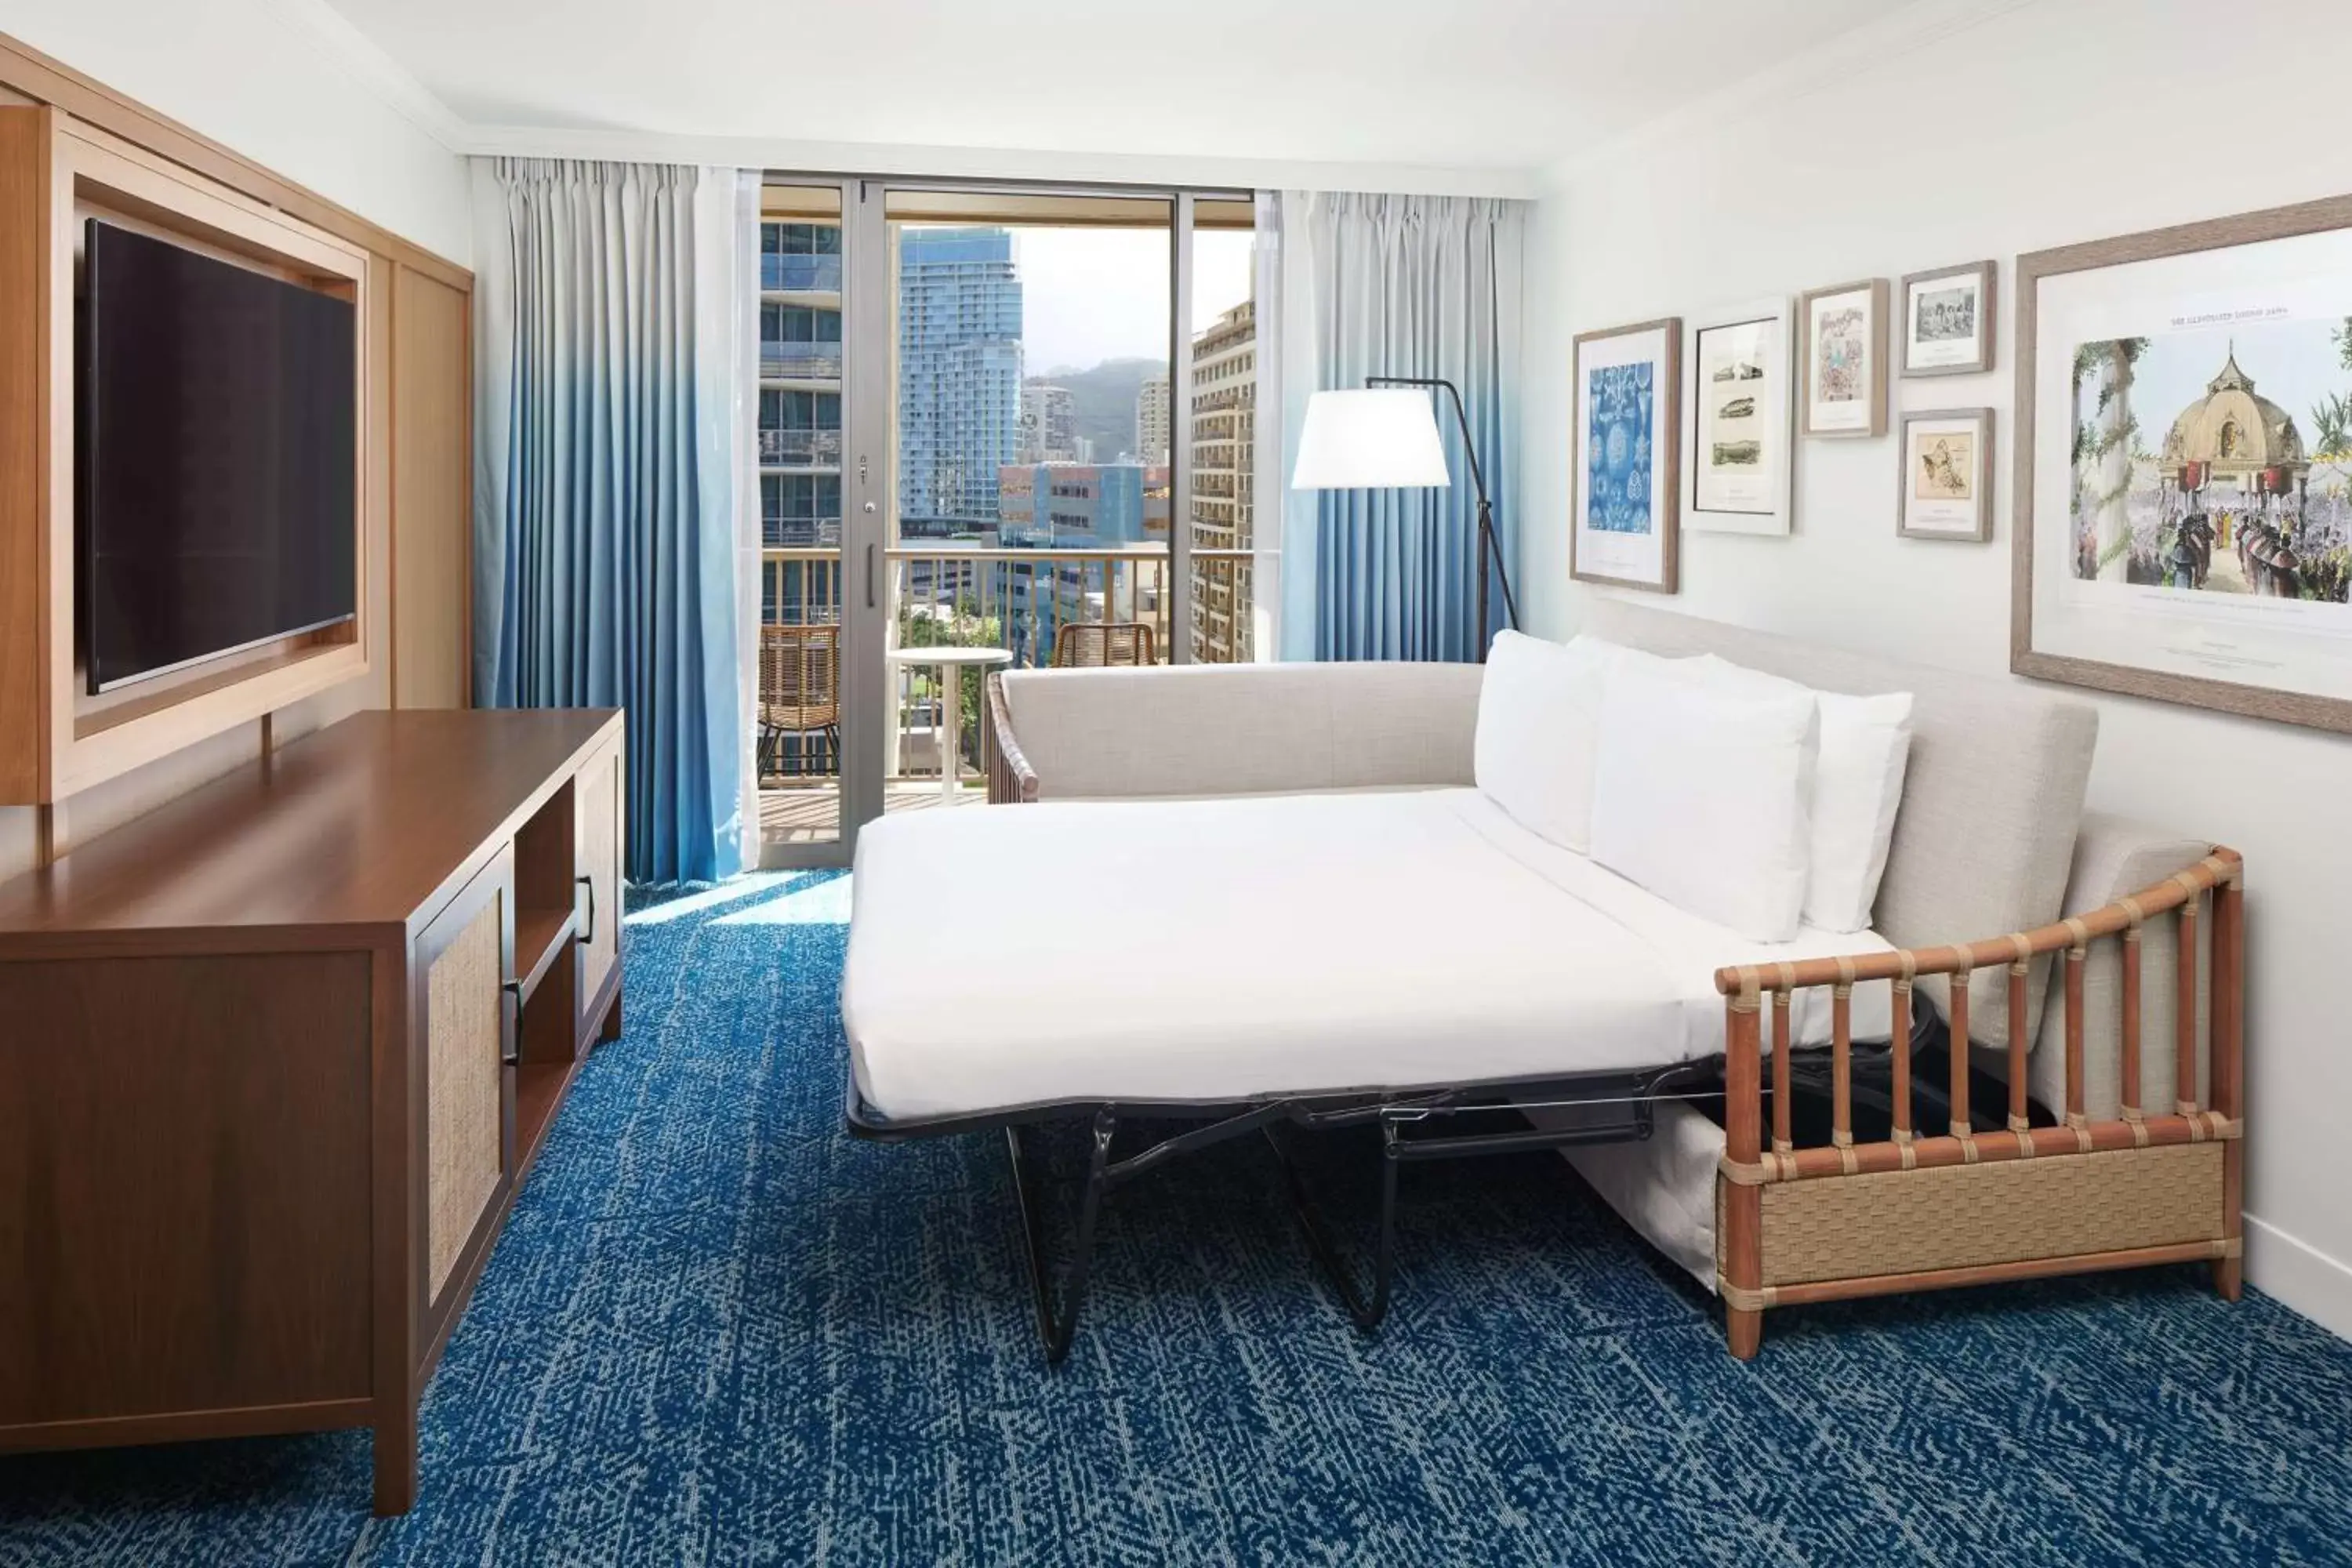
[
  {"x": 1366, "y": 1308},
  {"x": 1057, "y": 1322}
]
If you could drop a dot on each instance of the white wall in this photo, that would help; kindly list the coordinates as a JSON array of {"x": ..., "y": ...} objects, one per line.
[
  {"x": 282, "y": 81},
  {"x": 1989, "y": 136}
]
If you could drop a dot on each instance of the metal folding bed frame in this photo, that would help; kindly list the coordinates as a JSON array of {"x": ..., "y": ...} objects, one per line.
[{"x": 1277, "y": 1118}]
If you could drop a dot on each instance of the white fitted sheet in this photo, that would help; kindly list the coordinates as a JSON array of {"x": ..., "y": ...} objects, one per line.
[{"x": 1205, "y": 951}]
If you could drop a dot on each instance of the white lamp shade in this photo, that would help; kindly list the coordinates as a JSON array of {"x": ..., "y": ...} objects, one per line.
[{"x": 1368, "y": 438}]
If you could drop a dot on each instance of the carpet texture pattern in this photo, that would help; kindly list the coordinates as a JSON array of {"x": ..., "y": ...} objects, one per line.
[{"x": 719, "y": 1330}]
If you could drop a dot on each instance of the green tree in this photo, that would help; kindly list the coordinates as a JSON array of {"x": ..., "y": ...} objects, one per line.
[{"x": 2331, "y": 428}]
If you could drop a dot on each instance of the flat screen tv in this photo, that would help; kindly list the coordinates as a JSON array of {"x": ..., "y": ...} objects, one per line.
[{"x": 216, "y": 440}]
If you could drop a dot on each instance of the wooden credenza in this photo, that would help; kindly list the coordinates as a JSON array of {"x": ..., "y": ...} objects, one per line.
[{"x": 273, "y": 1061}]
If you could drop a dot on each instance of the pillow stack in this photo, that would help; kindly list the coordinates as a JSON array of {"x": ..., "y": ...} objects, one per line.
[{"x": 1747, "y": 800}]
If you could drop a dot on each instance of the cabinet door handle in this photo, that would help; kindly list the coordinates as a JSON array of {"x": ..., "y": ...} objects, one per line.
[
  {"x": 510, "y": 1048},
  {"x": 587, "y": 938}
]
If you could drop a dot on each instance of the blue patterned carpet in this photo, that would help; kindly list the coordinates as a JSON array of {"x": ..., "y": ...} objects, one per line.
[{"x": 717, "y": 1331}]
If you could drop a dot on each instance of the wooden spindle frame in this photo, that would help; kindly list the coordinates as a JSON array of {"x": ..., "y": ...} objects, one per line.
[
  {"x": 1915, "y": 1213},
  {"x": 1962, "y": 1125}
]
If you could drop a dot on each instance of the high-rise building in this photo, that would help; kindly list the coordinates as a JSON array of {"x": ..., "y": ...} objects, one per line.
[
  {"x": 1049, "y": 417},
  {"x": 1082, "y": 506},
  {"x": 1079, "y": 506},
  {"x": 959, "y": 373},
  {"x": 1225, "y": 464},
  {"x": 800, "y": 415},
  {"x": 1152, "y": 422}
]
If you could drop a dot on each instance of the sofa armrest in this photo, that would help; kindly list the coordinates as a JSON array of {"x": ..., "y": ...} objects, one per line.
[
  {"x": 1010, "y": 780},
  {"x": 2115, "y": 856},
  {"x": 1246, "y": 729}
]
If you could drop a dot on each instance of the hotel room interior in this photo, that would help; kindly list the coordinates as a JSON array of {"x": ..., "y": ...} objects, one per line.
[{"x": 1037, "y": 781}]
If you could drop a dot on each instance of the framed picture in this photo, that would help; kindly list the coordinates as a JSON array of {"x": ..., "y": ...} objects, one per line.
[
  {"x": 2183, "y": 510},
  {"x": 1843, "y": 332},
  {"x": 1739, "y": 429},
  {"x": 1947, "y": 321},
  {"x": 1623, "y": 524},
  {"x": 1946, "y": 475}
]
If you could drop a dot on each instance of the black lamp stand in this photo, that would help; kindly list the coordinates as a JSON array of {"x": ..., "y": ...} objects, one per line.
[{"x": 1486, "y": 546}]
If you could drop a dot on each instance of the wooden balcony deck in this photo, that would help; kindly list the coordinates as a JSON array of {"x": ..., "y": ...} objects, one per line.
[{"x": 811, "y": 814}]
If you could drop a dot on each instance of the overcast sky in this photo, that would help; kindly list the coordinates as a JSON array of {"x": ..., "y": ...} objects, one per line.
[{"x": 1093, "y": 294}]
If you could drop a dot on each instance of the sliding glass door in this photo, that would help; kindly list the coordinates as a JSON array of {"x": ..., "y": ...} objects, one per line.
[{"x": 1000, "y": 429}]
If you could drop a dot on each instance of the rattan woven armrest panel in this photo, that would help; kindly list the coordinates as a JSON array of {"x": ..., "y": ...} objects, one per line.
[{"x": 1966, "y": 1216}]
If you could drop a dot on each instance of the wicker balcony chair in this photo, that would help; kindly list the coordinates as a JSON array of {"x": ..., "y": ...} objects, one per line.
[
  {"x": 1092, "y": 644},
  {"x": 799, "y": 693}
]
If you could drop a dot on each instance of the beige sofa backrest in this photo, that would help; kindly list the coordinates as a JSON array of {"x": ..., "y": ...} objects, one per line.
[
  {"x": 1250, "y": 728},
  {"x": 1991, "y": 800}
]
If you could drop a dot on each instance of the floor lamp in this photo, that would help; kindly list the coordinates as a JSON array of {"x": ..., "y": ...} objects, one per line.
[{"x": 1383, "y": 436}]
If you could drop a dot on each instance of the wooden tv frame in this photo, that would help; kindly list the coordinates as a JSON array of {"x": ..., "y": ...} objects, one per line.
[{"x": 56, "y": 740}]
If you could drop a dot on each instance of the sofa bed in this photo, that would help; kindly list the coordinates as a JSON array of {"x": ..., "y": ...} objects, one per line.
[{"x": 1283, "y": 898}]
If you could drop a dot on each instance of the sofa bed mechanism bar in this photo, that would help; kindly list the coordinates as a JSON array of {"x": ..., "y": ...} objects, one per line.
[
  {"x": 1398, "y": 1114},
  {"x": 1913, "y": 1212}
]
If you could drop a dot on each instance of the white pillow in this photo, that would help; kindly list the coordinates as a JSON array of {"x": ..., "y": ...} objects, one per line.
[
  {"x": 1865, "y": 742},
  {"x": 1700, "y": 796},
  {"x": 1539, "y": 724}
]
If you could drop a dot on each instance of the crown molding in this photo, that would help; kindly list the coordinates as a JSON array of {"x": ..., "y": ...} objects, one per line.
[
  {"x": 332, "y": 36},
  {"x": 1908, "y": 30},
  {"x": 789, "y": 154}
]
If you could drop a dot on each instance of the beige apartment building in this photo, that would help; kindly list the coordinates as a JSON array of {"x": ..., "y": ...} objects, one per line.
[{"x": 1224, "y": 456}]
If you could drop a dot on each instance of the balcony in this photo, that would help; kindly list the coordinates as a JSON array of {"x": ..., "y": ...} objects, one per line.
[
  {"x": 795, "y": 531},
  {"x": 800, "y": 362},
  {"x": 1018, "y": 600},
  {"x": 800, "y": 449},
  {"x": 801, "y": 274}
]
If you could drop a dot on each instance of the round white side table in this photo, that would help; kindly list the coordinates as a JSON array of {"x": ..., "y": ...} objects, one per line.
[{"x": 951, "y": 662}]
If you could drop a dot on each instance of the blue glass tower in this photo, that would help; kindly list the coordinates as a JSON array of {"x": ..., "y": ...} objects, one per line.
[{"x": 958, "y": 371}]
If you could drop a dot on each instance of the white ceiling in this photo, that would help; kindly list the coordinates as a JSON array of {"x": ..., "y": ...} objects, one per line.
[{"x": 1456, "y": 84}]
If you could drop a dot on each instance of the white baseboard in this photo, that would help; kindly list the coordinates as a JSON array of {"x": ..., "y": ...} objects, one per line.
[{"x": 2299, "y": 1274}]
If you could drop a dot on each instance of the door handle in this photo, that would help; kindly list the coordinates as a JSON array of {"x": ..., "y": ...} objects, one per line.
[
  {"x": 511, "y": 1048},
  {"x": 588, "y": 937},
  {"x": 869, "y": 576}
]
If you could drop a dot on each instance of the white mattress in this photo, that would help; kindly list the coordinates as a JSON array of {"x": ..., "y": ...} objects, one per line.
[{"x": 1218, "y": 950}]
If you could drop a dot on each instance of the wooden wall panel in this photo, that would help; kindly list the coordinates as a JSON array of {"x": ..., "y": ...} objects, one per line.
[
  {"x": 430, "y": 492},
  {"x": 24, "y": 287}
]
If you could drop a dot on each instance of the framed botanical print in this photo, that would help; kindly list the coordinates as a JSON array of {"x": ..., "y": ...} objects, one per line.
[
  {"x": 1842, "y": 335},
  {"x": 1947, "y": 321},
  {"x": 2183, "y": 509},
  {"x": 1946, "y": 475},
  {"x": 1738, "y": 423},
  {"x": 1623, "y": 524}
]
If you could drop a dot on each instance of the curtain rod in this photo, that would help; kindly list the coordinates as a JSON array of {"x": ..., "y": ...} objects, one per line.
[{"x": 1013, "y": 187}]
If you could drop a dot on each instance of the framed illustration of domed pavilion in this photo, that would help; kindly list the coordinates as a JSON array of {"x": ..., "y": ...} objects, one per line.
[{"x": 2184, "y": 474}]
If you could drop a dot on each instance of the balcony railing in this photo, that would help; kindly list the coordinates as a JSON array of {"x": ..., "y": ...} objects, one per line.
[
  {"x": 801, "y": 449},
  {"x": 813, "y": 361},
  {"x": 801, "y": 274},
  {"x": 1018, "y": 600},
  {"x": 781, "y": 530}
]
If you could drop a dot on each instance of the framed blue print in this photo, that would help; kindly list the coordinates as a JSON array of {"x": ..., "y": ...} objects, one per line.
[{"x": 1624, "y": 522}]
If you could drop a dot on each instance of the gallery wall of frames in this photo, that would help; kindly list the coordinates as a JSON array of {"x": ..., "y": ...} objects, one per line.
[{"x": 2182, "y": 414}]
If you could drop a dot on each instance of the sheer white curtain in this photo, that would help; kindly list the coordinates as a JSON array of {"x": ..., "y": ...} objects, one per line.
[{"x": 1352, "y": 285}]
